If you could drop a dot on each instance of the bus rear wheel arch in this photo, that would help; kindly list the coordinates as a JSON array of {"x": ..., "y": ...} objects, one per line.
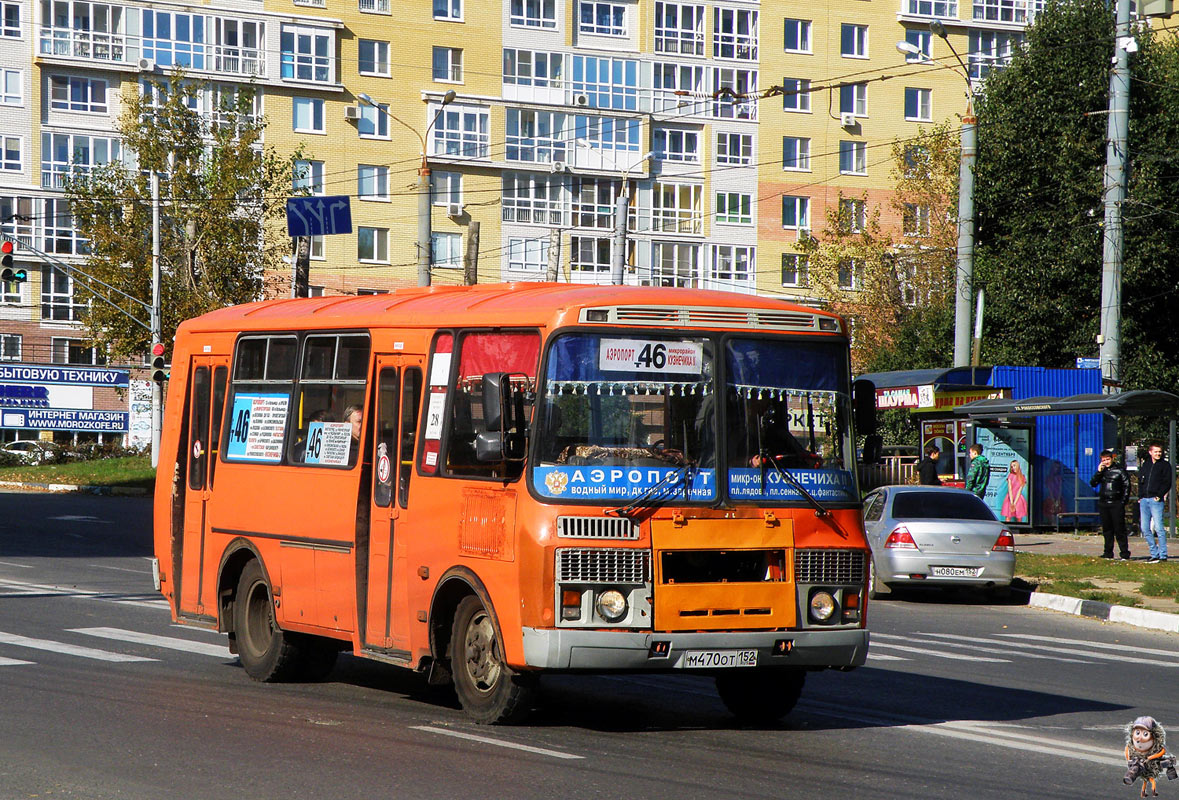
[{"x": 489, "y": 690}]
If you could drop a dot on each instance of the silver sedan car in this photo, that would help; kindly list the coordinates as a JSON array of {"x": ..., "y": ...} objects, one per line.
[{"x": 934, "y": 535}]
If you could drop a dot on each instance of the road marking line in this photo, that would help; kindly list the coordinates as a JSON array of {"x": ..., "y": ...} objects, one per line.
[
  {"x": 121, "y": 569},
  {"x": 1066, "y": 650},
  {"x": 13, "y": 662},
  {"x": 986, "y": 733},
  {"x": 1001, "y": 651},
  {"x": 1121, "y": 648},
  {"x": 71, "y": 591},
  {"x": 953, "y": 656},
  {"x": 185, "y": 645},
  {"x": 67, "y": 649},
  {"x": 496, "y": 742},
  {"x": 882, "y": 657},
  {"x": 14, "y": 564}
]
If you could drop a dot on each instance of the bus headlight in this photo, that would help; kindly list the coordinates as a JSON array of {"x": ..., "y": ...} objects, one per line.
[
  {"x": 822, "y": 606},
  {"x": 611, "y": 605}
]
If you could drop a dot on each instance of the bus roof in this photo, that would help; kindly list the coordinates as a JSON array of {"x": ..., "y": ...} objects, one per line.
[{"x": 518, "y": 305}]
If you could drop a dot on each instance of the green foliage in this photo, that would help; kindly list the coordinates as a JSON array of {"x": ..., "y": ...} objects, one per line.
[{"x": 220, "y": 191}]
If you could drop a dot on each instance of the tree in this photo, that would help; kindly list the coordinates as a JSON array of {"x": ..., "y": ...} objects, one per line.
[{"x": 221, "y": 191}]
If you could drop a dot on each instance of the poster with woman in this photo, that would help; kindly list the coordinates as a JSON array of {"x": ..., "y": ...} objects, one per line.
[{"x": 1008, "y": 491}]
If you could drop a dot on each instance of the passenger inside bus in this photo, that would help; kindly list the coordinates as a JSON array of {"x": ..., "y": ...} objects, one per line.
[
  {"x": 353, "y": 415},
  {"x": 764, "y": 434}
]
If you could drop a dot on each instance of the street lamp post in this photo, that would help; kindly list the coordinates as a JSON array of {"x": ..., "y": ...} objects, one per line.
[
  {"x": 621, "y": 211},
  {"x": 424, "y": 231}
]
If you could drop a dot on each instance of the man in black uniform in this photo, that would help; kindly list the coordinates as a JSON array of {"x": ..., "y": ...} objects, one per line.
[
  {"x": 927, "y": 467},
  {"x": 1113, "y": 490}
]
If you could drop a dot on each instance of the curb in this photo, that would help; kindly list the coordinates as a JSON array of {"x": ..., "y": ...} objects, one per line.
[
  {"x": 67, "y": 488},
  {"x": 1138, "y": 617}
]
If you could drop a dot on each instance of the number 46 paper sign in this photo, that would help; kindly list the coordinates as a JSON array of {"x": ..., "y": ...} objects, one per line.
[{"x": 651, "y": 355}]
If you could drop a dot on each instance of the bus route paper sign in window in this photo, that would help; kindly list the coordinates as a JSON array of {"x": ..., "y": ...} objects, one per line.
[
  {"x": 651, "y": 355},
  {"x": 256, "y": 427},
  {"x": 328, "y": 443}
]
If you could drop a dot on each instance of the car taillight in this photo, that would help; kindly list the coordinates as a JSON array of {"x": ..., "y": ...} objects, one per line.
[
  {"x": 1005, "y": 542},
  {"x": 900, "y": 539}
]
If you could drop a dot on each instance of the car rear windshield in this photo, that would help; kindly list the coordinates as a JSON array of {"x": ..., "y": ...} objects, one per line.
[{"x": 939, "y": 505}]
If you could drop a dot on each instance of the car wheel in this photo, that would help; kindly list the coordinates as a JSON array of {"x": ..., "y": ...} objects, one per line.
[{"x": 876, "y": 589}]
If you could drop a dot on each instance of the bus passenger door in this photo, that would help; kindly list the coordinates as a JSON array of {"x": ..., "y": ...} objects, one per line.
[
  {"x": 399, "y": 395},
  {"x": 206, "y": 400}
]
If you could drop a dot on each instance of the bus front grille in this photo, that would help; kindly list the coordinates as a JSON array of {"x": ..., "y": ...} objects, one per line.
[
  {"x": 603, "y": 565},
  {"x": 829, "y": 566},
  {"x": 596, "y": 528}
]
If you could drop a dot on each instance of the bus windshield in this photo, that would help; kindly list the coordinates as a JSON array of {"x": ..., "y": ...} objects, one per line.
[
  {"x": 788, "y": 408},
  {"x": 623, "y": 415}
]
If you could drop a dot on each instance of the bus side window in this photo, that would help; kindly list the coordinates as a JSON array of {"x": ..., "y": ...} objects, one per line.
[
  {"x": 198, "y": 446},
  {"x": 411, "y": 401},
  {"x": 220, "y": 375},
  {"x": 387, "y": 437}
]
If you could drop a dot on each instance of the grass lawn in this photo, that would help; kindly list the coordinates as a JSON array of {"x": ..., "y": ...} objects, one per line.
[
  {"x": 135, "y": 471},
  {"x": 1090, "y": 578}
]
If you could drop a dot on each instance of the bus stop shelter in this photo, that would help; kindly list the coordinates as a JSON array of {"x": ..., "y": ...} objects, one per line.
[{"x": 1137, "y": 403}]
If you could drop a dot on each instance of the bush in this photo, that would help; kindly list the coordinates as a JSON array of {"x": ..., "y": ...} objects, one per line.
[{"x": 89, "y": 451}]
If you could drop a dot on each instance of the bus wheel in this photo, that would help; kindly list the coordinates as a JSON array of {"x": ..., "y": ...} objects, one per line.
[
  {"x": 760, "y": 696},
  {"x": 265, "y": 651},
  {"x": 489, "y": 690}
]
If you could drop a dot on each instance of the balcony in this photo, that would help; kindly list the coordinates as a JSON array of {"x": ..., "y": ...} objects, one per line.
[{"x": 117, "y": 48}]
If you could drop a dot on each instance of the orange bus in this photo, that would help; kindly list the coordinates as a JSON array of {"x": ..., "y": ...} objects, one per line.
[{"x": 487, "y": 483}]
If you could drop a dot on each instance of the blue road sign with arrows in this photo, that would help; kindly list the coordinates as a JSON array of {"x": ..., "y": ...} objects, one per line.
[{"x": 319, "y": 216}]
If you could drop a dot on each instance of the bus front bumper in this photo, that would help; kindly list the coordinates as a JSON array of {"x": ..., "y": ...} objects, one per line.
[{"x": 549, "y": 648}]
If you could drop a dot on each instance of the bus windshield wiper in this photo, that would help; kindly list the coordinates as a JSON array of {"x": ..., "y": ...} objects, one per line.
[
  {"x": 650, "y": 497},
  {"x": 820, "y": 509}
]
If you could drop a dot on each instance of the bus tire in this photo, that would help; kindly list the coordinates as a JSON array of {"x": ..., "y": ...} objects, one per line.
[
  {"x": 490, "y": 692},
  {"x": 760, "y": 696},
  {"x": 266, "y": 652}
]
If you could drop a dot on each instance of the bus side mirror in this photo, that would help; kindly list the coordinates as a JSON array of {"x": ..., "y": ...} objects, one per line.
[
  {"x": 495, "y": 400},
  {"x": 489, "y": 446},
  {"x": 864, "y": 407}
]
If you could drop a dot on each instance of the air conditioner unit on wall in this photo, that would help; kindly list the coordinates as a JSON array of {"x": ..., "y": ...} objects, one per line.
[
  {"x": 147, "y": 65},
  {"x": 351, "y": 112},
  {"x": 558, "y": 166},
  {"x": 847, "y": 119},
  {"x": 581, "y": 100},
  {"x": 454, "y": 210}
]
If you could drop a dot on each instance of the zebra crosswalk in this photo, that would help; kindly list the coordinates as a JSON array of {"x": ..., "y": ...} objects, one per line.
[
  {"x": 110, "y": 653},
  {"x": 1006, "y": 648}
]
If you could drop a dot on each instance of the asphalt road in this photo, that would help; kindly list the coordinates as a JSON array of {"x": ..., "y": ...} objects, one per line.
[{"x": 101, "y": 697}]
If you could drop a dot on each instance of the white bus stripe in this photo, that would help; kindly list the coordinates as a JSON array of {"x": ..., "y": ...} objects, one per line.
[
  {"x": 67, "y": 649},
  {"x": 495, "y": 742},
  {"x": 936, "y": 654},
  {"x": 981, "y": 649},
  {"x": 118, "y": 634},
  {"x": 1066, "y": 650}
]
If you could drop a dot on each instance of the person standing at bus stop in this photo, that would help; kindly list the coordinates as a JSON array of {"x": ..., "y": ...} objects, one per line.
[
  {"x": 927, "y": 467},
  {"x": 979, "y": 473},
  {"x": 1113, "y": 490},
  {"x": 1156, "y": 478}
]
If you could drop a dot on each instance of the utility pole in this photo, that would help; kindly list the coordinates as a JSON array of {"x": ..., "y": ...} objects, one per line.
[
  {"x": 618, "y": 254},
  {"x": 964, "y": 291},
  {"x": 554, "y": 255},
  {"x": 471, "y": 258},
  {"x": 1110, "y": 338},
  {"x": 424, "y": 231},
  {"x": 157, "y": 389}
]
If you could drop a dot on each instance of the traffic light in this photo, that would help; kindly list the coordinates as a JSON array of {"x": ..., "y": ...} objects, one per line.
[
  {"x": 8, "y": 271},
  {"x": 159, "y": 372}
]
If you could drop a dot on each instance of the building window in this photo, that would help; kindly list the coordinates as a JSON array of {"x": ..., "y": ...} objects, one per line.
[
  {"x": 461, "y": 132},
  {"x": 675, "y": 264},
  {"x": 448, "y": 9},
  {"x": 853, "y": 99},
  {"x": 76, "y": 351},
  {"x": 853, "y": 215},
  {"x": 59, "y": 233},
  {"x": 10, "y": 19},
  {"x": 990, "y": 50},
  {"x": 172, "y": 39},
  {"x": 79, "y": 29},
  {"x": 448, "y": 64},
  {"x": 11, "y": 89},
  {"x": 679, "y": 28},
  {"x": 942, "y": 9},
  {"x": 311, "y": 3},
  {"x": 374, "y": 6},
  {"x": 797, "y": 38},
  {"x": 849, "y": 275},
  {"x": 534, "y": 13},
  {"x": 607, "y": 82},
  {"x": 373, "y": 122},
  {"x": 612, "y": 136},
  {"x": 308, "y": 115},
  {"x": 10, "y": 345},
  {"x": 687, "y": 80},
  {"x": 372, "y": 244},
  {"x": 308, "y": 176},
  {"x": 796, "y": 153},
  {"x": 370, "y": 292},
  {"x": 57, "y": 297},
  {"x": 535, "y": 136},
  {"x": 677, "y": 145},
  {"x": 796, "y": 213},
  {"x": 372, "y": 182},
  {"x": 602, "y": 18},
  {"x": 734, "y": 148},
  {"x": 317, "y": 248},
  {"x": 734, "y": 208},
  {"x": 590, "y": 255},
  {"x": 374, "y": 57},
  {"x": 853, "y": 158},
  {"x": 675, "y": 208},
  {"x": 735, "y": 90},
  {"x": 916, "y": 160},
  {"x": 796, "y": 94},
  {"x": 734, "y": 33},
  {"x": 528, "y": 68},
  {"x": 593, "y": 202},
  {"x": 532, "y": 199},
  {"x": 447, "y": 250},
  {"x": 17, "y": 217},
  {"x": 10, "y": 157},
  {"x": 446, "y": 188},
  {"x": 922, "y": 40},
  {"x": 240, "y": 47},
  {"x": 915, "y": 220},
  {"x": 315, "y": 291},
  {"x": 918, "y": 105},
  {"x": 306, "y": 54},
  {"x": 65, "y": 153},
  {"x": 528, "y": 259},
  {"x": 794, "y": 269},
  {"x": 1019, "y": 11},
  {"x": 732, "y": 267},
  {"x": 853, "y": 41}
]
